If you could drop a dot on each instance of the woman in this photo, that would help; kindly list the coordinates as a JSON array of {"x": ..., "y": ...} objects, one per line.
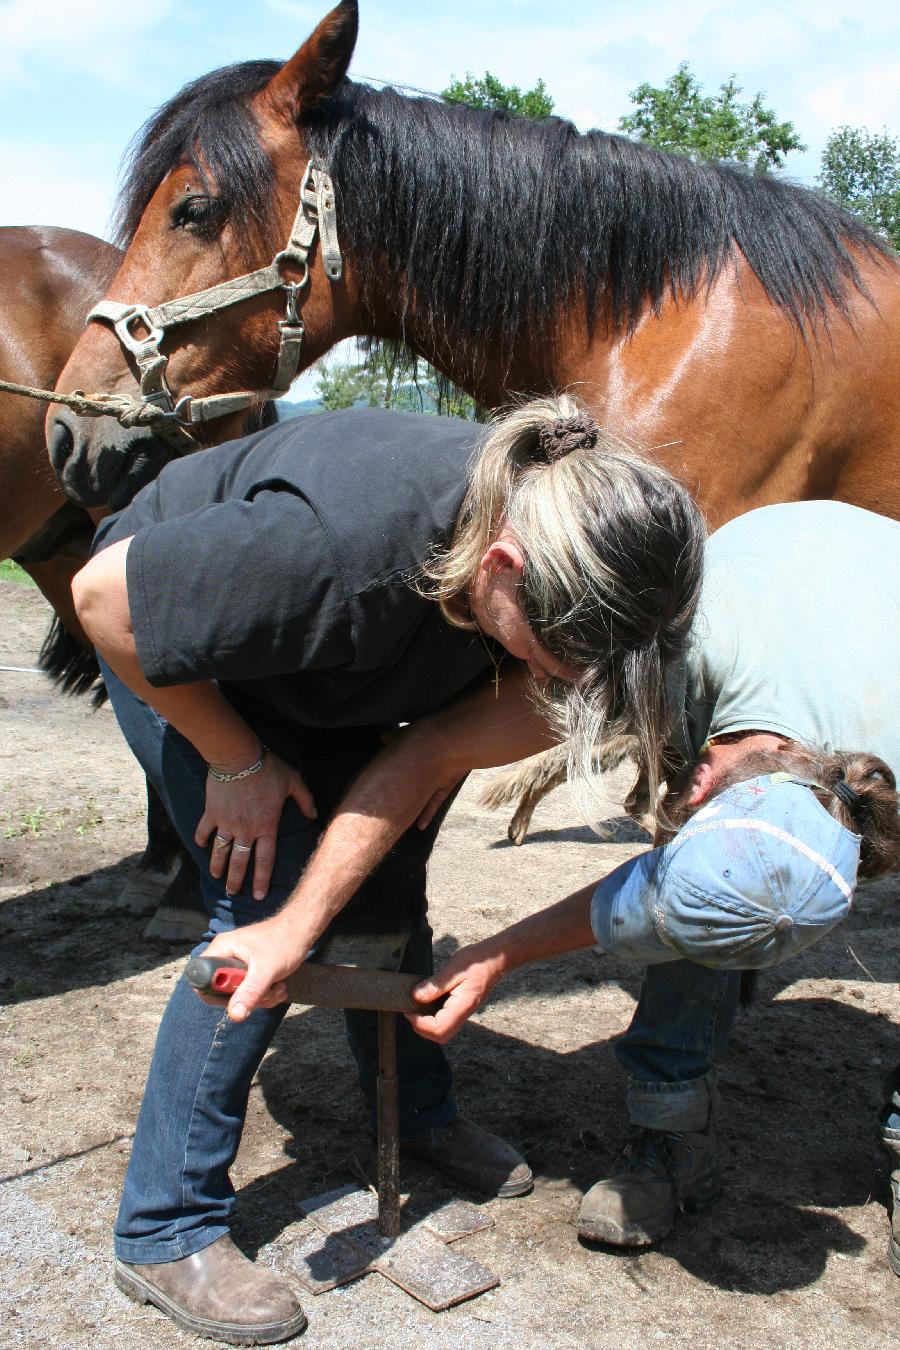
[{"x": 267, "y": 611}]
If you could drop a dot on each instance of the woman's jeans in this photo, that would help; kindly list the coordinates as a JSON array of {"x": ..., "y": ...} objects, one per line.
[{"x": 178, "y": 1197}]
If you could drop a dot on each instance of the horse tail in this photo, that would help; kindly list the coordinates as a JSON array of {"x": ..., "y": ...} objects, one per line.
[{"x": 71, "y": 667}]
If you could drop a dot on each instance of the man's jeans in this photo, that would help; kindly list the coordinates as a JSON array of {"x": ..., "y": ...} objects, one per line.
[
  {"x": 683, "y": 1021},
  {"x": 178, "y": 1197}
]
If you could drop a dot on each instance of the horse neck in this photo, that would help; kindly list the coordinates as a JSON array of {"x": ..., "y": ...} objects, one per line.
[{"x": 488, "y": 379}]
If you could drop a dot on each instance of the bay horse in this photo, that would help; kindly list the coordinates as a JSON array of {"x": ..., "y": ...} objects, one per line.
[
  {"x": 742, "y": 329},
  {"x": 49, "y": 279}
]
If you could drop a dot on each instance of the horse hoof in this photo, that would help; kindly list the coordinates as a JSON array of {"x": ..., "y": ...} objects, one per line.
[
  {"x": 171, "y": 923},
  {"x": 145, "y": 888}
]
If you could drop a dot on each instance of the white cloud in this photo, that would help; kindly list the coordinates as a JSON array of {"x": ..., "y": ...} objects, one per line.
[
  {"x": 297, "y": 11},
  {"x": 869, "y": 96},
  {"x": 99, "y": 38},
  {"x": 45, "y": 190}
]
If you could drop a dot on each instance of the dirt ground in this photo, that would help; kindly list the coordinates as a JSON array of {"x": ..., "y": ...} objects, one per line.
[{"x": 793, "y": 1254}]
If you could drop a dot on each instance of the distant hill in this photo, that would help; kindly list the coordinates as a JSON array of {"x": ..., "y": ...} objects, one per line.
[{"x": 288, "y": 410}]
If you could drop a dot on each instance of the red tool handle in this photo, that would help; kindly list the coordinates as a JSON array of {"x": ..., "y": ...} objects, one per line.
[{"x": 215, "y": 974}]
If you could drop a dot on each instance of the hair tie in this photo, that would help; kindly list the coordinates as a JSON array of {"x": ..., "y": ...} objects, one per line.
[
  {"x": 567, "y": 434},
  {"x": 846, "y": 794}
]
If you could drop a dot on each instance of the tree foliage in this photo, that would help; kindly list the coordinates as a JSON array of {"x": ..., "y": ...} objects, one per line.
[
  {"x": 390, "y": 375},
  {"x": 488, "y": 92},
  {"x": 681, "y": 118},
  {"x": 861, "y": 170}
]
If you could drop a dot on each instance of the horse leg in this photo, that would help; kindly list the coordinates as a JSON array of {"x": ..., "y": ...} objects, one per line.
[
  {"x": 526, "y": 783},
  {"x": 165, "y": 881}
]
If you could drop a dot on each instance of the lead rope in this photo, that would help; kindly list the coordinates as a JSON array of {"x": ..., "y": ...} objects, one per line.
[{"x": 131, "y": 412}]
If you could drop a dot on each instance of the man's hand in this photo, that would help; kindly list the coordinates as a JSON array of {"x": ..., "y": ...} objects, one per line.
[
  {"x": 466, "y": 980},
  {"x": 247, "y": 813},
  {"x": 271, "y": 951}
]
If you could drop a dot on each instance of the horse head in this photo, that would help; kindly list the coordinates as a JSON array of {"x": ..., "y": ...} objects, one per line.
[{"x": 225, "y": 291}]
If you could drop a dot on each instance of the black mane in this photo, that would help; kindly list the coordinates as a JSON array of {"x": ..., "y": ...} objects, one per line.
[{"x": 486, "y": 225}]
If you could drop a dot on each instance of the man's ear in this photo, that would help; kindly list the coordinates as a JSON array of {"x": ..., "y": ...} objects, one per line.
[{"x": 702, "y": 782}]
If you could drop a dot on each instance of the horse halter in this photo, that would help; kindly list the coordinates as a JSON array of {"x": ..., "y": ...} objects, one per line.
[{"x": 315, "y": 212}]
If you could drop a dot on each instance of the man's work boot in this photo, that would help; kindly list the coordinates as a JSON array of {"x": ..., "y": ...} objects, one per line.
[
  {"x": 890, "y": 1141},
  {"x": 219, "y": 1294},
  {"x": 657, "y": 1174},
  {"x": 473, "y": 1157}
]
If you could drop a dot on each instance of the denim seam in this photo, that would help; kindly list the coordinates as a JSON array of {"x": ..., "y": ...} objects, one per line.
[
  {"x": 213, "y": 1045},
  {"x": 713, "y": 1021}
]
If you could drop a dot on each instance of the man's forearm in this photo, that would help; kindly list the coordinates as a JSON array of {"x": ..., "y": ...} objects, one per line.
[
  {"x": 555, "y": 931},
  {"x": 390, "y": 794}
]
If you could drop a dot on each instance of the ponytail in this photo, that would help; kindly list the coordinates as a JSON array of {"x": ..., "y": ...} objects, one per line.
[{"x": 861, "y": 793}]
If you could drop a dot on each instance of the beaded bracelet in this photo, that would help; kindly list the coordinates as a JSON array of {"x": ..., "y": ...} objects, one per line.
[{"x": 221, "y": 777}]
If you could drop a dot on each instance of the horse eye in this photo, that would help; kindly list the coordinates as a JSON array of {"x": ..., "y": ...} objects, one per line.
[{"x": 200, "y": 214}]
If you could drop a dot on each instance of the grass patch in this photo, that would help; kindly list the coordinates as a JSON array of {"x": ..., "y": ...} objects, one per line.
[{"x": 10, "y": 571}]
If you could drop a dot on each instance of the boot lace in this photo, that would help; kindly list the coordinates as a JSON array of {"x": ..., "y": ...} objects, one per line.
[{"x": 650, "y": 1152}]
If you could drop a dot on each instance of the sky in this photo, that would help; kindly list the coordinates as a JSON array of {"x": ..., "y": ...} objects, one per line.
[{"x": 78, "y": 79}]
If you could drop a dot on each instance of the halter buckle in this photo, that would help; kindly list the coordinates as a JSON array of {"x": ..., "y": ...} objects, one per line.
[
  {"x": 182, "y": 410},
  {"x": 292, "y": 314},
  {"x": 137, "y": 314}
]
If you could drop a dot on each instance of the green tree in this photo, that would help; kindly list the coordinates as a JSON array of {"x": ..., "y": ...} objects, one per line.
[
  {"x": 488, "y": 92},
  {"x": 341, "y": 385},
  {"x": 390, "y": 375},
  {"x": 861, "y": 170},
  {"x": 680, "y": 117}
]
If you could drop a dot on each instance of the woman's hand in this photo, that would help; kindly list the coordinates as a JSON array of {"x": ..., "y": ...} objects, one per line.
[
  {"x": 465, "y": 982},
  {"x": 271, "y": 950},
  {"x": 244, "y": 817}
]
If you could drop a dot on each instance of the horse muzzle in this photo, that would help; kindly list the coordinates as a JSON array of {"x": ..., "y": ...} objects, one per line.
[{"x": 99, "y": 463}]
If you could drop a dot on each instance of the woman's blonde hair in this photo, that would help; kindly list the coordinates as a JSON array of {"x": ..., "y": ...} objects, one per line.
[{"x": 613, "y": 549}]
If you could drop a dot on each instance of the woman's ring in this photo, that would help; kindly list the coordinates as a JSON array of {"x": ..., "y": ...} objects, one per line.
[
  {"x": 222, "y": 842},
  {"x": 241, "y": 848}
]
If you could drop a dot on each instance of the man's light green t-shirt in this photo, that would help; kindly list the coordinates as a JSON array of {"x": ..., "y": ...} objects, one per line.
[{"x": 798, "y": 631}]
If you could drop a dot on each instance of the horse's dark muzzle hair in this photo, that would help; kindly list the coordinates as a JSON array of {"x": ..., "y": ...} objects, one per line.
[{"x": 100, "y": 463}]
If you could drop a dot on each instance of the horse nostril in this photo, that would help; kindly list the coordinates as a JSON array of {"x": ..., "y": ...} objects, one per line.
[{"x": 61, "y": 444}]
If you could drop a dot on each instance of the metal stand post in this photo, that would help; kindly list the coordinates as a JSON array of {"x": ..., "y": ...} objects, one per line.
[{"x": 388, "y": 1127}]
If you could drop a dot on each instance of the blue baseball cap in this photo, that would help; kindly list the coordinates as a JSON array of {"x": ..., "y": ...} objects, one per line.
[{"x": 757, "y": 874}]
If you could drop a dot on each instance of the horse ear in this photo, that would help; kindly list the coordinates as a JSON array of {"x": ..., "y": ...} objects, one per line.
[{"x": 314, "y": 72}]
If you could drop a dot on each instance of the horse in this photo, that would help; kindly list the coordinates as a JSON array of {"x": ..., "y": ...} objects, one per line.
[
  {"x": 49, "y": 279},
  {"x": 742, "y": 329}
]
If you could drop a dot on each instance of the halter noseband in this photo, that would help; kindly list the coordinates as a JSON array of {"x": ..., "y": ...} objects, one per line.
[{"x": 315, "y": 213}]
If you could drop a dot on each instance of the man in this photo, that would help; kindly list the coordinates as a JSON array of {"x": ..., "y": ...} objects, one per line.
[
  {"x": 267, "y": 610},
  {"x": 795, "y": 645}
]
